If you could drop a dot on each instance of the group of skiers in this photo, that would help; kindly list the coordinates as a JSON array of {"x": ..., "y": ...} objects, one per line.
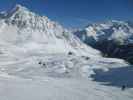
[{"x": 42, "y": 63}]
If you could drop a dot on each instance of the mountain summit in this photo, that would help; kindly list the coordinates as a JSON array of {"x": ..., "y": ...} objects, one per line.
[
  {"x": 20, "y": 26},
  {"x": 14, "y": 10},
  {"x": 18, "y": 8}
]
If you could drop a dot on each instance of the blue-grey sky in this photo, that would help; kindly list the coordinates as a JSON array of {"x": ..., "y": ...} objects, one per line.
[{"x": 77, "y": 13}]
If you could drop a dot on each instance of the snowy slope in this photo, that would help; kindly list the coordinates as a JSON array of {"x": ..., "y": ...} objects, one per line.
[
  {"x": 59, "y": 89},
  {"x": 26, "y": 39},
  {"x": 26, "y": 29}
]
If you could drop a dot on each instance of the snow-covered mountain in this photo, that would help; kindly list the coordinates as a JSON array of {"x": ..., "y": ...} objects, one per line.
[
  {"x": 20, "y": 26},
  {"x": 26, "y": 37},
  {"x": 114, "y": 38},
  {"x": 41, "y": 60}
]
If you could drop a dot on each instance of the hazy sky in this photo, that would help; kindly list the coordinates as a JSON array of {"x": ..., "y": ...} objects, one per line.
[{"x": 76, "y": 13}]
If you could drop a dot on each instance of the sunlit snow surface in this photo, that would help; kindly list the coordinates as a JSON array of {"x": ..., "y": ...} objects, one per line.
[
  {"x": 64, "y": 77},
  {"x": 27, "y": 39}
]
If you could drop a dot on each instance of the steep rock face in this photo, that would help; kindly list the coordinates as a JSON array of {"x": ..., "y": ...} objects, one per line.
[
  {"x": 24, "y": 28},
  {"x": 113, "y": 38}
]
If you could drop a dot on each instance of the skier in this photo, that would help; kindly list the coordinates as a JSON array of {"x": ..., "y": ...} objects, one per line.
[
  {"x": 39, "y": 62},
  {"x": 44, "y": 65},
  {"x": 87, "y": 58},
  {"x": 123, "y": 87},
  {"x": 70, "y": 53}
]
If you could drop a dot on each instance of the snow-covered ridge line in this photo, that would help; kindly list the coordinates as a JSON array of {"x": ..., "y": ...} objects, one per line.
[
  {"x": 40, "y": 60},
  {"x": 23, "y": 27},
  {"x": 114, "y": 38}
]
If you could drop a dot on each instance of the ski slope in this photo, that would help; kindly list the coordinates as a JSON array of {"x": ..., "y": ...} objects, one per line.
[
  {"x": 13, "y": 88},
  {"x": 64, "y": 77}
]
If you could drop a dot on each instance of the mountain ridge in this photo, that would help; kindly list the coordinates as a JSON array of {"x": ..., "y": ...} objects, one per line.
[
  {"x": 113, "y": 38},
  {"x": 21, "y": 26}
]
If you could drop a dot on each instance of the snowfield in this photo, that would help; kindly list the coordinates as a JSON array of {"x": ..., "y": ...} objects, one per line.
[
  {"x": 59, "y": 89},
  {"x": 62, "y": 77},
  {"x": 40, "y": 60}
]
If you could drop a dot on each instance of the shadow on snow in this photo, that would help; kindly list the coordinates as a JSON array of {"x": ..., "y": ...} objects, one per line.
[{"x": 115, "y": 77}]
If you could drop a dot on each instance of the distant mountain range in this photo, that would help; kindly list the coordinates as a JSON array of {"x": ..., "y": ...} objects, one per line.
[{"x": 113, "y": 38}]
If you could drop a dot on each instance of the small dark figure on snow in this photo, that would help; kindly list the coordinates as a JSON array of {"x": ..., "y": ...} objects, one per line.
[
  {"x": 87, "y": 58},
  {"x": 123, "y": 87},
  {"x": 44, "y": 64},
  {"x": 70, "y": 53},
  {"x": 39, "y": 62}
]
